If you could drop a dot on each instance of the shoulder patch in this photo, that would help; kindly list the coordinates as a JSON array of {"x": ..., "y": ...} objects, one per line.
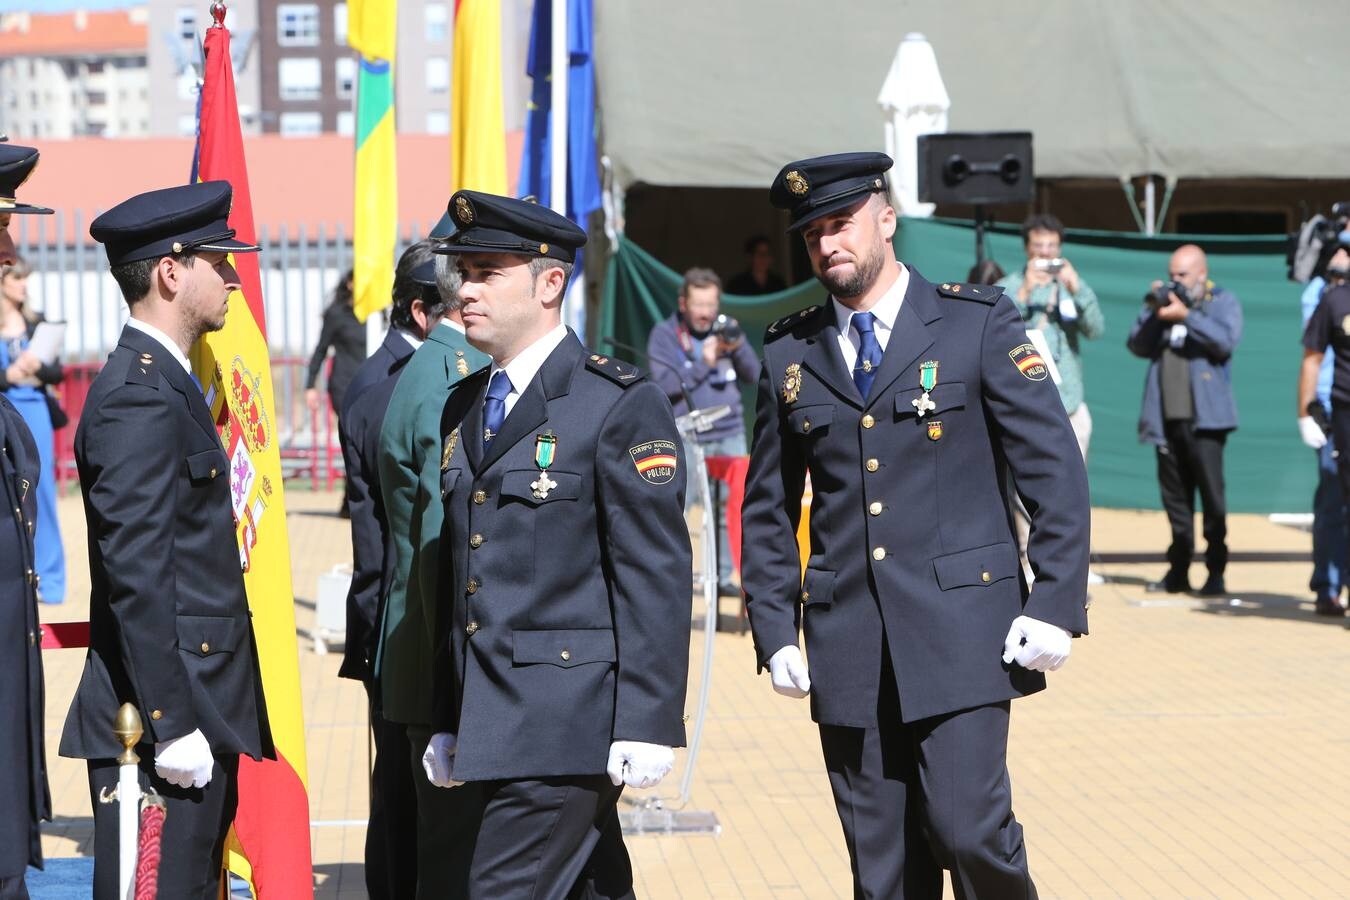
[
  {"x": 981, "y": 293},
  {"x": 142, "y": 370},
  {"x": 787, "y": 323},
  {"x": 620, "y": 373}
]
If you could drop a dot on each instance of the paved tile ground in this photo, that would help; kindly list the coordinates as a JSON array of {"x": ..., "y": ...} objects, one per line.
[{"x": 1189, "y": 749}]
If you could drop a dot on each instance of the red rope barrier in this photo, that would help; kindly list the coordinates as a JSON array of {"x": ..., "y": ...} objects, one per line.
[{"x": 147, "y": 855}]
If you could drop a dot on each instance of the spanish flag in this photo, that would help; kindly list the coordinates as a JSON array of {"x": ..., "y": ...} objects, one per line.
[
  {"x": 372, "y": 30},
  {"x": 269, "y": 841},
  {"x": 477, "y": 126}
]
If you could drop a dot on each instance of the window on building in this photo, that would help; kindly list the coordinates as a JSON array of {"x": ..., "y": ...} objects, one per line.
[
  {"x": 340, "y": 24},
  {"x": 346, "y": 122},
  {"x": 437, "y": 21},
  {"x": 301, "y": 124},
  {"x": 438, "y": 122},
  {"x": 344, "y": 68},
  {"x": 298, "y": 24},
  {"x": 186, "y": 23},
  {"x": 300, "y": 78},
  {"x": 438, "y": 75}
]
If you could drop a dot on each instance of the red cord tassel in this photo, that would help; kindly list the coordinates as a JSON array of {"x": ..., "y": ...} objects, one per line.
[{"x": 147, "y": 855}]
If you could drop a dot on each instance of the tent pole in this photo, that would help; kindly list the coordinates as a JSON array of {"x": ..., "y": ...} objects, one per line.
[{"x": 1150, "y": 206}]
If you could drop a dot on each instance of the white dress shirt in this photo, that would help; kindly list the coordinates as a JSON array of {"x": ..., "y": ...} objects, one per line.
[
  {"x": 885, "y": 311},
  {"x": 527, "y": 363},
  {"x": 160, "y": 337},
  {"x": 411, "y": 338}
]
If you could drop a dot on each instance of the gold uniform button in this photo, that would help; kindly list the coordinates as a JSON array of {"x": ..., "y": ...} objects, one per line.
[
  {"x": 566, "y": 655},
  {"x": 806, "y": 425},
  {"x": 480, "y": 497},
  {"x": 873, "y": 465},
  {"x": 472, "y": 586},
  {"x": 156, "y": 715},
  {"x": 984, "y": 576},
  {"x": 471, "y": 628},
  {"x": 806, "y": 595},
  {"x": 213, "y": 471},
  {"x": 32, "y": 639},
  {"x": 868, "y": 421},
  {"x": 476, "y": 541},
  {"x": 879, "y": 554},
  {"x": 875, "y": 508},
  {"x": 206, "y": 648}
]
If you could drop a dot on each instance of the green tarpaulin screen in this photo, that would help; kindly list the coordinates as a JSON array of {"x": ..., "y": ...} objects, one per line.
[{"x": 1267, "y": 468}]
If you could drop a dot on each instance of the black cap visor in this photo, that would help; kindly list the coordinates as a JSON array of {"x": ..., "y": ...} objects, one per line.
[{"x": 845, "y": 196}]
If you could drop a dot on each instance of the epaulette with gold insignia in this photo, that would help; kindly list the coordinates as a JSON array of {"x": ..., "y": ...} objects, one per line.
[
  {"x": 787, "y": 323},
  {"x": 142, "y": 371},
  {"x": 619, "y": 372},
  {"x": 981, "y": 293}
]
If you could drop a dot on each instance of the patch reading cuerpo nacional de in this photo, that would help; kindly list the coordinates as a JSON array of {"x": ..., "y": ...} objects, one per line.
[
  {"x": 656, "y": 461},
  {"x": 1029, "y": 362}
]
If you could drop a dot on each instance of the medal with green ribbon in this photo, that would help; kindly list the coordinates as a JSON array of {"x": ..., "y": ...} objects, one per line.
[
  {"x": 928, "y": 372},
  {"x": 545, "y": 447}
]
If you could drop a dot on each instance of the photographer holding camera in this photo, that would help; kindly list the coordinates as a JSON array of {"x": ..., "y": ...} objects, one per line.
[
  {"x": 705, "y": 353},
  {"x": 1188, "y": 330},
  {"x": 1326, "y": 242},
  {"x": 1058, "y": 308}
]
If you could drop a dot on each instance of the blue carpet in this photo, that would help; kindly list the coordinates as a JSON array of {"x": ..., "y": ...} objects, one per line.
[{"x": 63, "y": 879}]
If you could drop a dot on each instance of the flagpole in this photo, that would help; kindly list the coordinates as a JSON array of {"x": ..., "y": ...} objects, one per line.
[{"x": 574, "y": 306}]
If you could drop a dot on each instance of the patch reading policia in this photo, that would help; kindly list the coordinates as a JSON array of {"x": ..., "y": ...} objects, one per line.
[
  {"x": 656, "y": 461},
  {"x": 1029, "y": 362}
]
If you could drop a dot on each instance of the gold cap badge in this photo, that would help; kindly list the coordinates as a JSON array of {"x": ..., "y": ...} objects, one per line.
[
  {"x": 463, "y": 211},
  {"x": 796, "y": 183}
]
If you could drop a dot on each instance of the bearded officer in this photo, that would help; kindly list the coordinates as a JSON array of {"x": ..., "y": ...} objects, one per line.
[
  {"x": 24, "y": 795},
  {"x": 907, "y": 402},
  {"x": 170, "y": 630},
  {"x": 564, "y": 673}
]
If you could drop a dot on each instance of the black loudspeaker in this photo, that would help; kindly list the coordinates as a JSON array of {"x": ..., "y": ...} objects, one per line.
[{"x": 976, "y": 168}]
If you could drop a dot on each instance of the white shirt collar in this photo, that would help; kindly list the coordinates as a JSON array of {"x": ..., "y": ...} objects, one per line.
[
  {"x": 451, "y": 323},
  {"x": 410, "y": 338},
  {"x": 527, "y": 363},
  {"x": 885, "y": 310},
  {"x": 174, "y": 350}
]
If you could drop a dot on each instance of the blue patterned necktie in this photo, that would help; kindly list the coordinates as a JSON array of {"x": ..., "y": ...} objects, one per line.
[
  {"x": 869, "y": 352},
  {"x": 494, "y": 407}
]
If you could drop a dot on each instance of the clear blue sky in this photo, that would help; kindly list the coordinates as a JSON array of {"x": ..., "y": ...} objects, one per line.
[{"x": 47, "y": 6}]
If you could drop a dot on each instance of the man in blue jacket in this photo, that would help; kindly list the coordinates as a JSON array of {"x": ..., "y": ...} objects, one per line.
[{"x": 1189, "y": 410}]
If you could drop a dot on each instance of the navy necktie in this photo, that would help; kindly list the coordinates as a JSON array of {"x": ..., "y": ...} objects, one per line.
[
  {"x": 869, "y": 352},
  {"x": 494, "y": 407}
]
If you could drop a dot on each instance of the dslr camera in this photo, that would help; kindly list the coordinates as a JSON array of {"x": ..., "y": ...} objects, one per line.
[
  {"x": 1315, "y": 242},
  {"x": 727, "y": 328},
  {"x": 1157, "y": 299}
]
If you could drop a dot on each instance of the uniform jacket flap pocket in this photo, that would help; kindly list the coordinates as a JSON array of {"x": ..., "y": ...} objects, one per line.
[
  {"x": 206, "y": 465},
  {"x": 207, "y": 635},
  {"x": 817, "y": 588},
  {"x": 448, "y": 479},
  {"x": 809, "y": 418},
  {"x": 564, "y": 647},
  {"x": 951, "y": 395},
  {"x": 980, "y": 566},
  {"x": 519, "y": 483}
]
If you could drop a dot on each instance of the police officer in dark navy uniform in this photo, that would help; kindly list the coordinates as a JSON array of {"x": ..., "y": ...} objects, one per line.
[
  {"x": 908, "y": 402},
  {"x": 564, "y": 673},
  {"x": 1328, "y": 328},
  {"x": 169, "y": 621},
  {"x": 24, "y": 796}
]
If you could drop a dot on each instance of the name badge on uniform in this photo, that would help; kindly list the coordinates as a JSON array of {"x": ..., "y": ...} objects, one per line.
[
  {"x": 928, "y": 375},
  {"x": 545, "y": 449}
]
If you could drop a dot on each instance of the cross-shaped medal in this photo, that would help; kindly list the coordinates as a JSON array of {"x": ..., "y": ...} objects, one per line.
[
  {"x": 923, "y": 404},
  {"x": 542, "y": 486}
]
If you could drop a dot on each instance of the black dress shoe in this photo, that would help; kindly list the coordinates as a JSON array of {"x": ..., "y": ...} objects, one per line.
[
  {"x": 1171, "y": 583},
  {"x": 1329, "y": 606},
  {"x": 1213, "y": 587}
]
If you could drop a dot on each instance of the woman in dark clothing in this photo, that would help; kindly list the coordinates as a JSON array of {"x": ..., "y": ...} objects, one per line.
[
  {"x": 347, "y": 337},
  {"x": 24, "y": 379}
]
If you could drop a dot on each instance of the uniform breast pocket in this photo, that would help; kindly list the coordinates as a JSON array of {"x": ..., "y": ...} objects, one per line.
[
  {"x": 943, "y": 397},
  {"x": 206, "y": 466},
  {"x": 811, "y": 421},
  {"x": 979, "y": 567},
  {"x": 537, "y": 488}
]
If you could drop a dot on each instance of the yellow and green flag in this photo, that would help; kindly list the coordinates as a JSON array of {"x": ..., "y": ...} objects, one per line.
[
  {"x": 477, "y": 126},
  {"x": 372, "y": 29}
]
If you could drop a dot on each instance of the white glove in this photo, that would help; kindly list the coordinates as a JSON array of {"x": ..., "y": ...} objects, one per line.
[
  {"x": 436, "y": 759},
  {"x": 1311, "y": 433},
  {"x": 185, "y": 761},
  {"x": 639, "y": 765},
  {"x": 1036, "y": 645},
  {"x": 788, "y": 672}
]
